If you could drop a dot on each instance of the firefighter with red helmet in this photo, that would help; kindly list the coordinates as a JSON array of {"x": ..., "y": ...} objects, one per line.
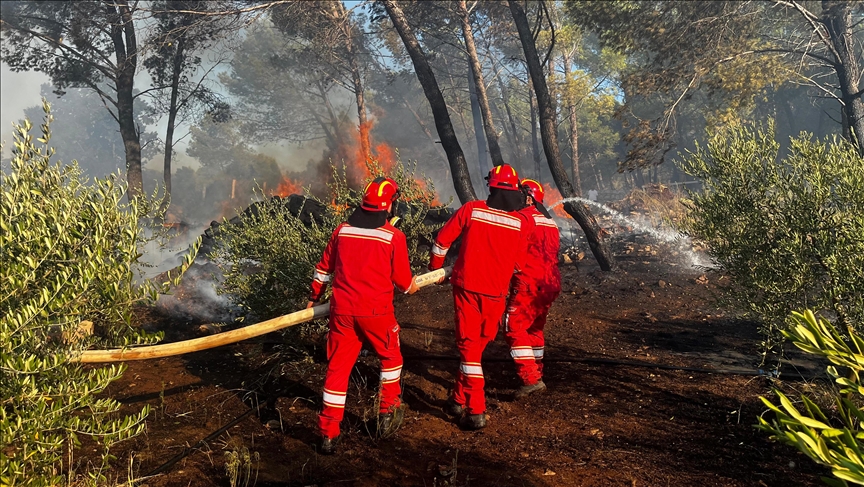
[
  {"x": 365, "y": 257},
  {"x": 532, "y": 292},
  {"x": 494, "y": 240}
]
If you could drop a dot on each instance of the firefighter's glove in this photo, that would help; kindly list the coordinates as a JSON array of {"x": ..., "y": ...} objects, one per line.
[
  {"x": 413, "y": 288},
  {"x": 310, "y": 304},
  {"x": 443, "y": 280}
]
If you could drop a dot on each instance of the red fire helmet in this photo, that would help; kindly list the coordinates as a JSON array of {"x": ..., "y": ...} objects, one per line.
[
  {"x": 504, "y": 177},
  {"x": 534, "y": 189},
  {"x": 380, "y": 194}
]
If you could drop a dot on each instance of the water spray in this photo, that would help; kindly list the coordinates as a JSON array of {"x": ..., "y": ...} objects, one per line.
[{"x": 683, "y": 242}]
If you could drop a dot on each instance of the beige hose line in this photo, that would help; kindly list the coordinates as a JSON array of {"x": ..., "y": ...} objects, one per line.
[{"x": 233, "y": 336}]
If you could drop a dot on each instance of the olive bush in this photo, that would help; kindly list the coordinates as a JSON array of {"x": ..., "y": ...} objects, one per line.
[
  {"x": 834, "y": 441},
  {"x": 267, "y": 256},
  {"x": 788, "y": 231},
  {"x": 68, "y": 259}
]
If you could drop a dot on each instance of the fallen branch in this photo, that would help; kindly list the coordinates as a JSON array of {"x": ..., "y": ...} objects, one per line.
[{"x": 233, "y": 336}]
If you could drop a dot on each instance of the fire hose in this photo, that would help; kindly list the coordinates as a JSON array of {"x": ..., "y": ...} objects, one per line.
[{"x": 233, "y": 336}]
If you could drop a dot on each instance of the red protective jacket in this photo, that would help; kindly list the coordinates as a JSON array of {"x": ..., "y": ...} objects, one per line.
[
  {"x": 540, "y": 274},
  {"x": 364, "y": 264},
  {"x": 494, "y": 244}
]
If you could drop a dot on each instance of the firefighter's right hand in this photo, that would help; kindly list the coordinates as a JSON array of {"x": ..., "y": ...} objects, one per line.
[
  {"x": 413, "y": 288},
  {"x": 310, "y": 304},
  {"x": 442, "y": 280}
]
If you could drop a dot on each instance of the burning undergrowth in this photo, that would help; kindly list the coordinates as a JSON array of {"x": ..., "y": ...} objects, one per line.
[{"x": 267, "y": 252}]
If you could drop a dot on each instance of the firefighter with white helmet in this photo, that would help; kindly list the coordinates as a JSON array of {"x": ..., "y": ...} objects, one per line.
[
  {"x": 365, "y": 257},
  {"x": 532, "y": 292},
  {"x": 494, "y": 241}
]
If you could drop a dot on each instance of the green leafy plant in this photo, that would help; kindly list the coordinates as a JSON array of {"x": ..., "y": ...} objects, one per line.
[
  {"x": 268, "y": 256},
  {"x": 810, "y": 430},
  {"x": 69, "y": 255},
  {"x": 788, "y": 231}
]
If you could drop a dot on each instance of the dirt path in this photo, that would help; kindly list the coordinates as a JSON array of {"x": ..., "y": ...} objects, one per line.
[{"x": 599, "y": 424}]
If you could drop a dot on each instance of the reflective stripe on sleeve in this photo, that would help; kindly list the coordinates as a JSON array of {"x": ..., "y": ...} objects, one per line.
[
  {"x": 378, "y": 234},
  {"x": 522, "y": 353},
  {"x": 471, "y": 369},
  {"x": 439, "y": 251},
  {"x": 538, "y": 353},
  {"x": 390, "y": 375},
  {"x": 334, "y": 399},
  {"x": 321, "y": 276},
  {"x": 544, "y": 222},
  {"x": 498, "y": 219}
]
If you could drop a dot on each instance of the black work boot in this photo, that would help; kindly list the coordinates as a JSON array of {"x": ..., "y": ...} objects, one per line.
[
  {"x": 453, "y": 408},
  {"x": 473, "y": 421},
  {"x": 390, "y": 422},
  {"x": 328, "y": 445},
  {"x": 526, "y": 391}
]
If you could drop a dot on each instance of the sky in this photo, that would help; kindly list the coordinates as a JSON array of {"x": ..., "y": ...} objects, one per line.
[{"x": 17, "y": 92}]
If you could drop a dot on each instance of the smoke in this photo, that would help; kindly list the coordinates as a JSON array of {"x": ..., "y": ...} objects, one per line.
[
  {"x": 680, "y": 245},
  {"x": 196, "y": 301},
  {"x": 18, "y": 90}
]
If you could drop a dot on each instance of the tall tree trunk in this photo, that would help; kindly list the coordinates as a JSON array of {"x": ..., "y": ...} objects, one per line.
[
  {"x": 356, "y": 80},
  {"x": 422, "y": 125},
  {"x": 546, "y": 104},
  {"x": 482, "y": 151},
  {"x": 126, "y": 53},
  {"x": 519, "y": 152},
  {"x": 508, "y": 135},
  {"x": 455, "y": 156},
  {"x": 172, "y": 118},
  {"x": 598, "y": 176},
  {"x": 567, "y": 96},
  {"x": 480, "y": 86},
  {"x": 458, "y": 101},
  {"x": 837, "y": 17},
  {"x": 535, "y": 143},
  {"x": 334, "y": 119}
]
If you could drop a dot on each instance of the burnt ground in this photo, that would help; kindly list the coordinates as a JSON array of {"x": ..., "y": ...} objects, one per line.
[{"x": 649, "y": 385}]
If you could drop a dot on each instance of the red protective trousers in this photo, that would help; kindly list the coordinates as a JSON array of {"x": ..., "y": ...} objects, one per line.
[
  {"x": 523, "y": 330},
  {"x": 344, "y": 342},
  {"x": 477, "y": 320}
]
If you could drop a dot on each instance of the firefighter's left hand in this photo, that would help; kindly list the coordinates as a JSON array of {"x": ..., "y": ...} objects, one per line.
[{"x": 414, "y": 287}]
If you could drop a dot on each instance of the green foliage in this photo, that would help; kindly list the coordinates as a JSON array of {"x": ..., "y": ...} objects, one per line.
[
  {"x": 811, "y": 430},
  {"x": 267, "y": 258},
  {"x": 788, "y": 232},
  {"x": 70, "y": 251},
  {"x": 705, "y": 61}
]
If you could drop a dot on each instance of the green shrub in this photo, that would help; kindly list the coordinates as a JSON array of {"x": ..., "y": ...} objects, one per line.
[
  {"x": 788, "y": 232},
  {"x": 810, "y": 430},
  {"x": 69, "y": 254},
  {"x": 267, "y": 258}
]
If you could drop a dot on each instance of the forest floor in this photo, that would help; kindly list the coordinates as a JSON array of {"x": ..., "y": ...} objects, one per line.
[{"x": 649, "y": 384}]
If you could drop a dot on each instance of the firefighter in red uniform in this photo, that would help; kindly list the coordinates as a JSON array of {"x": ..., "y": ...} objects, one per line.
[
  {"x": 494, "y": 240},
  {"x": 532, "y": 292},
  {"x": 365, "y": 257}
]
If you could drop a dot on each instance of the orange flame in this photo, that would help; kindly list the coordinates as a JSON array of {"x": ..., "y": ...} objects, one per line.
[
  {"x": 552, "y": 196},
  {"x": 288, "y": 187},
  {"x": 365, "y": 158},
  {"x": 361, "y": 155}
]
